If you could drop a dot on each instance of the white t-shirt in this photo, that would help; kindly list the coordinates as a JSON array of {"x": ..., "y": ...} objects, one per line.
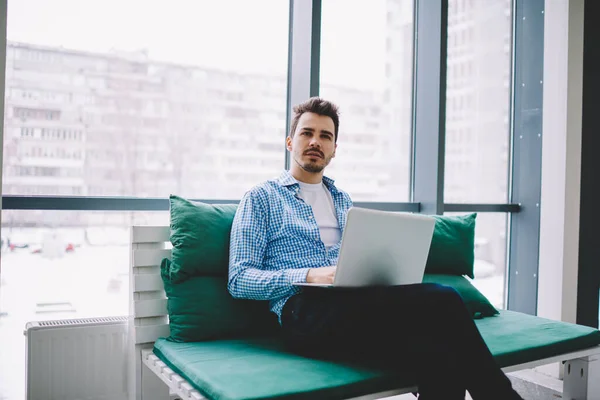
[{"x": 318, "y": 197}]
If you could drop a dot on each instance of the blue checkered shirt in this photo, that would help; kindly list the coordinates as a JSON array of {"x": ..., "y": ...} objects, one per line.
[{"x": 275, "y": 240}]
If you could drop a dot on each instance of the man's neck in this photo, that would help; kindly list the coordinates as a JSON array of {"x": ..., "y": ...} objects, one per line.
[{"x": 307, "y": 177}]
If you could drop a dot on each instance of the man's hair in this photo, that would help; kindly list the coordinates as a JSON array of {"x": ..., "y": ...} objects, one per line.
[{"x": 318, "y": 106}]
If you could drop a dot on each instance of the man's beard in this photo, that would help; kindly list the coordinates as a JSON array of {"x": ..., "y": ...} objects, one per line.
[{"x": 313, "y": 167}]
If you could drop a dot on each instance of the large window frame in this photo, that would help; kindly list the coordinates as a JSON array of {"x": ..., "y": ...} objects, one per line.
[{"x": 428, "y": 132}]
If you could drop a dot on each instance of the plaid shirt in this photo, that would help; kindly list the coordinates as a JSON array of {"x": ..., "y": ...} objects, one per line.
[{"x": 275, "y": 240}]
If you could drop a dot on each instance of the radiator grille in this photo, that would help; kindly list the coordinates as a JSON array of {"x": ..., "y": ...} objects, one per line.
[
  {"x": 85, "y": 321},
  {"x": 74, "y": 322},
  {"x": 77, "y": 359}
]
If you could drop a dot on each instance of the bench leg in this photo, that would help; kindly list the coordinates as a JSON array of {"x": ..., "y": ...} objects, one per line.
[
  {"x": 152, "y": 387},
  {"x": 582, "y": 379}
]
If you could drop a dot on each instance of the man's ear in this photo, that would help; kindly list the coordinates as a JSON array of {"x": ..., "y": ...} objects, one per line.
[
  {"x": 334, "y": 151},
  {"x": 288, "y": 143}
]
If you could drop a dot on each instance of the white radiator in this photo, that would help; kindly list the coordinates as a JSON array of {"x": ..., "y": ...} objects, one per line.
[{"x": 77, "y": 359}]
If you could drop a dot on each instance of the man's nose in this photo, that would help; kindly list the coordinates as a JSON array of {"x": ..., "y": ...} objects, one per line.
[{"x": 314, "y": 142}]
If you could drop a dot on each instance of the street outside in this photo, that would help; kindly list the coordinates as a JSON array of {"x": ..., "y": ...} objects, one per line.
[{"x": 87, "y": 279}]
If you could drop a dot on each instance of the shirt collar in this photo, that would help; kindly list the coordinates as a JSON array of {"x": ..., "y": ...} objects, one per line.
[{"x": 287, "y": 180}]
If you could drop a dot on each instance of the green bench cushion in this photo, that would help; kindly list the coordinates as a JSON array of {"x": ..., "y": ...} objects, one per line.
[
  {"x": 258, "y": 368},
  {"x": 515, "y": 338}
]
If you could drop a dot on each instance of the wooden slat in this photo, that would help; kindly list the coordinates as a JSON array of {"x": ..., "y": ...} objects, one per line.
[
  {"x": 150, "y": 308},
  {"x": 168, "y": 373},
  {"x": 151, "y": 321},
  {"x": 154, "y": 362},
  {"x": 150, "y": 234},
  {"x": 176, "y": 383},
  {"x": 187, "y": 389},
  {"x": 149, "y": 334},
  {"x": 153, "y": 295},
  {"x": 149, "y": 258},
  {"x": 147, "y": 283},
  {"x": 159, "y": 294},
  {"x": 196, "y": 396},
  {"x": 152, "y": 270}
]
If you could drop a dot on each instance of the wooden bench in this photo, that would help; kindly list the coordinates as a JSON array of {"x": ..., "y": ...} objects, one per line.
[{"x": 151, "y": 379}]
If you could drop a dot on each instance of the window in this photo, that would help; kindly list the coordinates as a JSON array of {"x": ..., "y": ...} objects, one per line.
[
  {"x": 477, "y": 128},
  {"x": 113, "y": 120},
  {"x": 490, "y": 256},
  {"x": 478, "y": 101},
  {"x": 34, "y": 114},
  {"x": 111, "y": 84},
  {"x": 367, "y": 72},
  {"x": 91, "y": 248}
]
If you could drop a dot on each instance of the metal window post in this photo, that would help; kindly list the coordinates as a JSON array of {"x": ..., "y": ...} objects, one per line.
[
  {"x": 525, "y": 186},
  {"x": 429, "y": 112},
  {"x": 304, "y": 51}
]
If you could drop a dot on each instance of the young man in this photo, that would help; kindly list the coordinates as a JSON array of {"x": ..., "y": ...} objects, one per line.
[{"x": 289, "y": 230}]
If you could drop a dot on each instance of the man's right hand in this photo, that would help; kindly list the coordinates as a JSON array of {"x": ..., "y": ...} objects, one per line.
[{"x": 321, "y": 275}]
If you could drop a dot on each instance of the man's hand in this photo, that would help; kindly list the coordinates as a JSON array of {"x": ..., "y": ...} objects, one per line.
[{"x": 321, "y": 275}]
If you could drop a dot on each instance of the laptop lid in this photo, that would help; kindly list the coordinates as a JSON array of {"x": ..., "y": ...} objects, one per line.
[{"x": 383, "y": 248}]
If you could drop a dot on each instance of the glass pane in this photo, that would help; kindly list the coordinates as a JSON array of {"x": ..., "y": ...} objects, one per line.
[
  {"x": 192, "y": 103},
  {"x": 490, "y": 256},
  {"x": 366, "y": 69},
  {"x": 60, "y": 265},
  {"x": 478, "y": 101}
]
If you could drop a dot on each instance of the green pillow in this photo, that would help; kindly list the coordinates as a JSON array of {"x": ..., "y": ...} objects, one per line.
[
  {"x": 452, "y": 248},
  {"x": 200, "y": 238},
  {"x": 200, "y": 308},
  {"x": 477, "y": 304}
]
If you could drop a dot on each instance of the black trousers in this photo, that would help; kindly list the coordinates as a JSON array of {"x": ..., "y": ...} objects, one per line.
[{"x": 423, "y": 330}]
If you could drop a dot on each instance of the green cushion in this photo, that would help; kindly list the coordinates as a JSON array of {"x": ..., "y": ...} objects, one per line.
[
  {"x": 200, "y": 238},
  {"x": 260, "y": 369},
  {"x": 201, "y": 308},
  {"x": 477, "y": 304},
  {"x": 452, "y": 250},
  {"x": 515, "y": 338}
]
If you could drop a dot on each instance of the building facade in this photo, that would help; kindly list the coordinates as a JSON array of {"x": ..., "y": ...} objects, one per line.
[{"x": 120, "y": 124}]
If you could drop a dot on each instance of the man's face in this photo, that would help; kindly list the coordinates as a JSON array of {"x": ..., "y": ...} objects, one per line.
[{"x": 313, "y": 145}]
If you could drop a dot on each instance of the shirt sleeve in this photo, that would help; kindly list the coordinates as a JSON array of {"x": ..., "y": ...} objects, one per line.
[{"x": 249, "y": 240}]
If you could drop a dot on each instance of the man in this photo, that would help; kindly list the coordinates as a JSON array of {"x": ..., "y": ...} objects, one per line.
[{"x": 288, "y": 230}]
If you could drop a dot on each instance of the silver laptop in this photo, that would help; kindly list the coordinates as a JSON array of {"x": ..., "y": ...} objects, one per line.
[{"x": 382, "y": 248}]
